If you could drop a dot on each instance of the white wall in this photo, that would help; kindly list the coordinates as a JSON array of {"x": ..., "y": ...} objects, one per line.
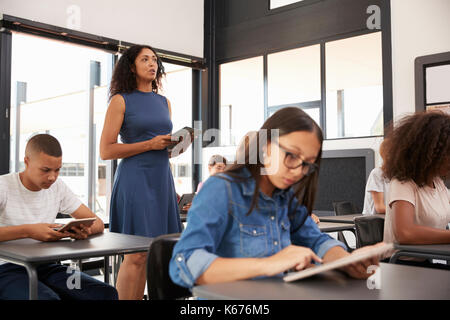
[
  {"x": 174, "y": 25},
  {"x": 418, "y": 28}
]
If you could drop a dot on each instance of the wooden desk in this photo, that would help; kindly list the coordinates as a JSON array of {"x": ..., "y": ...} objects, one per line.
[
  {"x": 397, "y": 282},
  {"x": 31, "y": 253}
]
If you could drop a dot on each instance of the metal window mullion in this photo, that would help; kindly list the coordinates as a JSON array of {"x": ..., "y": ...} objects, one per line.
[
  {"x": 266, "y": 86},
  {"x": 323, "y": 90},
  {"x": 94, "y": 80},
  {"x": 21, "y": 96},
  {"x": 5, "y": 99},
  {"x": 111, "y": 165}
]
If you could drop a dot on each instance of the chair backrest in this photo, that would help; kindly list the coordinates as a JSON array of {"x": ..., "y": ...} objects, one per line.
[
  {"x": 369, "y": 230},
  {"x": 344, "y": 207},
  {"x": 159, "y": 284}
]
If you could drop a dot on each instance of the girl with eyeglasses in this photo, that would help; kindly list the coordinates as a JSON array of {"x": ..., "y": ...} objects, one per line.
[{"x": 254, "y": 219}]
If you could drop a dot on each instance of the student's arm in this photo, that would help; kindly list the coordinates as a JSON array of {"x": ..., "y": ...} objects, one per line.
[
  {"x": 406, "y": 230},
  {"x": 110, "y": 149},
  {"x": 39, "y": 231},
  {"x": 378, "y": 200},
  {"x": 43, "y": 232},
  {"x": 233, "y": 269}
]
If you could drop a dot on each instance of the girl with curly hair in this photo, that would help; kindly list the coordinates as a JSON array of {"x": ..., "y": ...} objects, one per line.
[{"x": 417, "y": 157}]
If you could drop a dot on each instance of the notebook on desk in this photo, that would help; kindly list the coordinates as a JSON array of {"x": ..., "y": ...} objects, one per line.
[{"x": 359, "y": 256}]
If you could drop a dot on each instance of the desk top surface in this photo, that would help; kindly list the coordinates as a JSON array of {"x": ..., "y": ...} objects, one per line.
[
  {"x": 335, "y": 226},
  {"x": 348, "y": 218},
  {"x": 397, "y": 282},
  {"x": 108, "y": 243},
  {"x": 425, "y": 248}
]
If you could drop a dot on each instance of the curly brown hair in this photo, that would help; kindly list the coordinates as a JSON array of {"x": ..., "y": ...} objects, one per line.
[
  {"x": 418, "y": 147},
  {"x": 124, "y": 79}
]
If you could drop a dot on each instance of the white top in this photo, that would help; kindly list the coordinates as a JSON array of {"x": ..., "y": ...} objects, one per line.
[
  {"x": 431, "y": 205},
  {"x": 378, "y": 183},
  {"x": 18, "y": 205}
]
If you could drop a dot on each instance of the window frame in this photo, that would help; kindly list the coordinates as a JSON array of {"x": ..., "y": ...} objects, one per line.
[
  {"x": 386, "y": 66},
  {"x": 10, "y": 24}
]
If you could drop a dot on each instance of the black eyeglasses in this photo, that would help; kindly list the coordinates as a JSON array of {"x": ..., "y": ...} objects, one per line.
[{"x": 293, "y": 161}]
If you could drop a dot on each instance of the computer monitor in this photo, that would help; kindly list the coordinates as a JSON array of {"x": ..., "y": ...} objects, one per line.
[{"x": 343, "y": 175}]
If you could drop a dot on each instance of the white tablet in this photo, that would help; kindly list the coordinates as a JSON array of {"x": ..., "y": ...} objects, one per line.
[{"x": 339, "y": 263}]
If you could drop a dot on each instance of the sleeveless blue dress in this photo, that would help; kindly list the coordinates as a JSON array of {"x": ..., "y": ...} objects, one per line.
[{"x": 143, "y": 200}]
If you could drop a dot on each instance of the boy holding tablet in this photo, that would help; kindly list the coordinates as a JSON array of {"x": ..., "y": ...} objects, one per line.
[{"x": 29, "y": 203}]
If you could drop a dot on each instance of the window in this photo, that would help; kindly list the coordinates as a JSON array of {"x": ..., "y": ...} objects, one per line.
[
  {"x": 241, "y": 88},
  {"x": 354, "y": 87},
  {"x": 294, "y": 79},
  {"x": 281, "y": 3},
  {"x": 177, "y": 87},
  {"x": 226, "y": 123},
  {"x": 50, "y": 94}
]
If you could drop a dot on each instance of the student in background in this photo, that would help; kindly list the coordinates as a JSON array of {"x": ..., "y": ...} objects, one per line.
[
  {"x": 417, "y": 156},
  {"x": 216, "y": 164},
  {"x": 29, "y": 203},
  {"x": 248, "y": 222},
  {"x": 376, "y": 188}
]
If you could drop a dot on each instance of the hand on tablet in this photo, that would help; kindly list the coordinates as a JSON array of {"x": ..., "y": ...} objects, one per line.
[
  {"x": 187, "y": 206},
  {"x": 290, "y": 257},
  {"x": 359, "y": 269},
  {"x": 161, "y": 142},
  {"x": 80, "y": 232},
  {"x": 45, "y": 232}
]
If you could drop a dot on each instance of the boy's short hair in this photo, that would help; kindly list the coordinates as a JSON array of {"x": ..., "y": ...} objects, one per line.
[
  {"x": 217, "y": 158},
  {"x": 43, "y": 143}
]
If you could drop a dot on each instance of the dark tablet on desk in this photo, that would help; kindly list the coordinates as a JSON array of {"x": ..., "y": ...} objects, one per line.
[{"x": 185, "y": 199}]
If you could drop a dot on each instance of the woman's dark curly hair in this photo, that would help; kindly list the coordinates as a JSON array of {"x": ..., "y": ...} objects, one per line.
[
  {"x": 124, "y": 79},
  {"x": 418, "y": 147}
]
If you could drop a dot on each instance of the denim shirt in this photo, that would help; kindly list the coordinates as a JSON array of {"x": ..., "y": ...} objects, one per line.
[{"x": 218, "y": 226}]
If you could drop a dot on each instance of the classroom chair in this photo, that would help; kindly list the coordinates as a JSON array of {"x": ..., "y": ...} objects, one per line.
[
  {"x": 343, "y": 208},
  {"x": 369, "y": 230},
  {"x": 159, "y": 284}
]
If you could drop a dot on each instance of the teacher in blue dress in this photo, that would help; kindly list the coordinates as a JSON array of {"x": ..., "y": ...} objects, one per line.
[{"x": 143, "y": 200}]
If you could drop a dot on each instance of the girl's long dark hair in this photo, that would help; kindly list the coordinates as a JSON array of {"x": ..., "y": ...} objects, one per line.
[
  {"x": 124, "y": 79},
  {"x": 286, "y": 120}
]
